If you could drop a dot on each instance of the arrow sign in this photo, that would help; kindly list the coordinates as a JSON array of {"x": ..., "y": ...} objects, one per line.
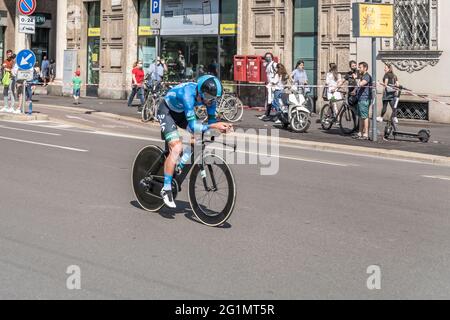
[
  {"x": 26, "y": 7},
  {"x": 26, "y": 59}
]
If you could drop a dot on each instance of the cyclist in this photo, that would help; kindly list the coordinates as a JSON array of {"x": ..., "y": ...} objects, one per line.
[{"x": 178, "y": 110}]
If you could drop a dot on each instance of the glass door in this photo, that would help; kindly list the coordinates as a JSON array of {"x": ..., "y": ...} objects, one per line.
[{"x": 93, "y": 49}]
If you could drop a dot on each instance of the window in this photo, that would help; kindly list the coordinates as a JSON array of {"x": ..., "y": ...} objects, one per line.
[
  {"x": 305, "y": 36},
  {"x": 412, "y": 25},
  {"x": 146, "y": 40}
]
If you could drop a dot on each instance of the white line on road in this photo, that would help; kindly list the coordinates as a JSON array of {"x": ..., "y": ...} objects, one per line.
[
  {"x": 31, "y": 131},
  {"x": 301, "y": 159},
  {"x": 437, "y": 177},
  {"x": 79, "y": 118},
  {"x": 44, "y": 144}
]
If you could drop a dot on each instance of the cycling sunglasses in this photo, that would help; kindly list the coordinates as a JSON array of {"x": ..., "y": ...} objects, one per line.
[{"x": 207, "y": 98}]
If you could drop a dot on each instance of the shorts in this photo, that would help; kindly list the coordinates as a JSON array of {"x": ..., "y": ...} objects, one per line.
[
  {"x": 170, "y": 121},
  {"x": 363, "y": 109},
  {"x": 76, "y": 92}
]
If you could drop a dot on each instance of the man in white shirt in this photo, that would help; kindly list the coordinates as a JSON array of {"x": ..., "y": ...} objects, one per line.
[{"x": 271, "y": 71}]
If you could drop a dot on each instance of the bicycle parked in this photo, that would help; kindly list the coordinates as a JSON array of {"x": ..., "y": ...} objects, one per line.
[
  {"x": 154, "y": 91},
  {"x": 212, "y": 186},
  {"x": 346, "y": 117},
  {"x": 230, "y": 108}
]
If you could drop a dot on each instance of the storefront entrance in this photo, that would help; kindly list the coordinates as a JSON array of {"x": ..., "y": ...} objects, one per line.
[
  {"x": 189, "y": 57},
  {"x": 40, "y": 43}
]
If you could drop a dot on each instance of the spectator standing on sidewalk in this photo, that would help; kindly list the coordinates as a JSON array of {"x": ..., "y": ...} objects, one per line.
[
  {"x": 271, "y": 71},
  {"x": 45, "y": 69},
  {"x": 8, "y": 83},
  {"x": 157, "y": 71},
  {"x": 351, "y": 78},
  {"x": 390, "y": 80},
  {"x": 76, "y": 83},
  {"x": 364, "y": 100},
  {"x": 300, "y": 77},
  {"x": 52, "y": 70},
  {"x": 137, "y": 84}
]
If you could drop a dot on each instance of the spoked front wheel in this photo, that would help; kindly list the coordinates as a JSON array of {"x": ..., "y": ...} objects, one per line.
[
  {"x": 326, "y": 117},
  {"x": 212, "y": 191},
  {"x": 148, "y": 110},
  {"x": 232, "y": 108}
]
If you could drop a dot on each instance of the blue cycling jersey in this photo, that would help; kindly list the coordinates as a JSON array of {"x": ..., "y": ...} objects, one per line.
[{"x": 183, "y": 98}]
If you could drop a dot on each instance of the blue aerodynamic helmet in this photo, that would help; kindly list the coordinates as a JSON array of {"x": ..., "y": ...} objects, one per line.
[{"x": 209, "y": 87}]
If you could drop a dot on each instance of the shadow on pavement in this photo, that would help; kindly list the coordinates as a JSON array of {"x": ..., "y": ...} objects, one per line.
[{"x": 183, "y": 207}]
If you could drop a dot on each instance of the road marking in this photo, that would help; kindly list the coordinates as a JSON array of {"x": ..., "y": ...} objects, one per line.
[
  {"x": 300, "y": 159},
  {"x": 79, "y": 118},
  {"x": 44, "y": 144},
  {"x": 437, "y": 177},
  {"x": 32, "y": 131}
]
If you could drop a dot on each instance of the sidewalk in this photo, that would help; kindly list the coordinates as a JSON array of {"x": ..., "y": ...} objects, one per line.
[{"x": 439, "y": 144}]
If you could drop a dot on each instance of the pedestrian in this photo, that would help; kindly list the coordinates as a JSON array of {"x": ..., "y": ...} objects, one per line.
[
  {"x": 333, "y": 82},
  {"x": 45, "y": 69},
  {"x": 137, "y": 84},
  {"x": 52, "y": 70},
  {"x": 28, "y": 88},
  {"x": 8, "y": 82},
  {"x": 280, "y": 81},
  {"x": 351, "y": 78},
  {"x": 364, "y": 100},
  {"x": 299, "y": 77},
  {"x": 156, "y": 72},
  {"x": 390, "y": 82},
  {"x": 181, "y": 65},
  {"x": 213, "y": 68},
  {"x": 271, "y": 71},
  {"x": 76, "y": 83}
]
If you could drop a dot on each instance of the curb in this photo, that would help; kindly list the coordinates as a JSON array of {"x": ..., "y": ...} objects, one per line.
[
  {"x": 23, "y": 117},
  {"x": 310, "y": 145}
]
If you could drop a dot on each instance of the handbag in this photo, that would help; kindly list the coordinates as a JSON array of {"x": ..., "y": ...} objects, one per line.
[
  {"x": 325, "y": 94},
  {"x": 6, "y": 80}
]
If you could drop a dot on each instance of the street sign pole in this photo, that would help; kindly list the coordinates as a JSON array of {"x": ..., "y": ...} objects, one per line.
[{"x": 374, "y": 95}]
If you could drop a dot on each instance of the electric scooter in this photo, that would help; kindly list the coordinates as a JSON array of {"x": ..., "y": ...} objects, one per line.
[{"x": 392, "y": 127}]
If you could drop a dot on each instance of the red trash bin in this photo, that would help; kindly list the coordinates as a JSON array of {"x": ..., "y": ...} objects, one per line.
[
  {"x": 263, "y": 75},
  {"x": 254, "y": 68},
  {"x": 240, "y": 68}
]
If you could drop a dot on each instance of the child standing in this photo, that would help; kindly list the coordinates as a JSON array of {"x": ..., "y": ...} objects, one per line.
[{"x": 76, "y": 82}]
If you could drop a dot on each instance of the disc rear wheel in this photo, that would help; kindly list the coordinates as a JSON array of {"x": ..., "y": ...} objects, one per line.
[{"x": 148, "y": 178}]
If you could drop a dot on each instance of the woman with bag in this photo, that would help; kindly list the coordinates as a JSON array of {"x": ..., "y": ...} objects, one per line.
[
  {"x": 390, "y": 82},
  {"x": 8, "y": 83},
  {"x": 333, "y": 81}
]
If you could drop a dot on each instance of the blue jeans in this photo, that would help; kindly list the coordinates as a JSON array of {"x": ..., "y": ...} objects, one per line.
[
  {"x": 276, "y": 100},
  {"x": 139, "y": 91}
]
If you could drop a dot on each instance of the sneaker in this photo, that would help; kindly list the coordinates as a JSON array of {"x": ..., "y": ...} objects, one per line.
[
  {"x": 167, "y": 196},
  {"x": 395, "y": 120},
  {"x": 9, "y": 110},
  {"x": 3, "y": 109},
  {"x": 278, "y": 122},
  {"x": 379, "y": 119},
  {"x": 265, "y": 118},
  {"x": 17, "y": 111},
  {"x": 357, "y": 136}
]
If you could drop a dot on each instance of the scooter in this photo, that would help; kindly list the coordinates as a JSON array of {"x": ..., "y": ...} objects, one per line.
[
  {"x": 294, "y": 111},
  {"x": 392, "y": 127}
]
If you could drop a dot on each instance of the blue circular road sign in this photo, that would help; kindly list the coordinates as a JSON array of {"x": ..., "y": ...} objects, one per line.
[{"x": 26, "y": 59}]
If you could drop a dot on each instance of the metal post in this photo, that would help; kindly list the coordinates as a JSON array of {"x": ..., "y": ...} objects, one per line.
[{"x": 374, "y": 95}]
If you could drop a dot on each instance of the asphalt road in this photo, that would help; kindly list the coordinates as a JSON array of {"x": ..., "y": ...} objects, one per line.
[{"x": 309, "y": 232}]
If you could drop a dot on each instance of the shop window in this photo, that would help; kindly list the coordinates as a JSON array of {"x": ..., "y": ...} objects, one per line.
[
  {"x": 146, "y": 40},
  {"x": 93, "y": 48}
]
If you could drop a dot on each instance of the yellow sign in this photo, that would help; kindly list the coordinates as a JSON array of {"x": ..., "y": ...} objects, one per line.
[
  {"x": 228, "y": 29},
  {"x": 145, "y": 31},
  {"x": 94, "y": 57},
  {"x": 373, "y": 20},
  {"x": 94, "y": 32}
]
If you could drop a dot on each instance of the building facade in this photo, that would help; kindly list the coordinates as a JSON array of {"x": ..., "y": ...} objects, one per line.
[{"x": 104, "y": 38}]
